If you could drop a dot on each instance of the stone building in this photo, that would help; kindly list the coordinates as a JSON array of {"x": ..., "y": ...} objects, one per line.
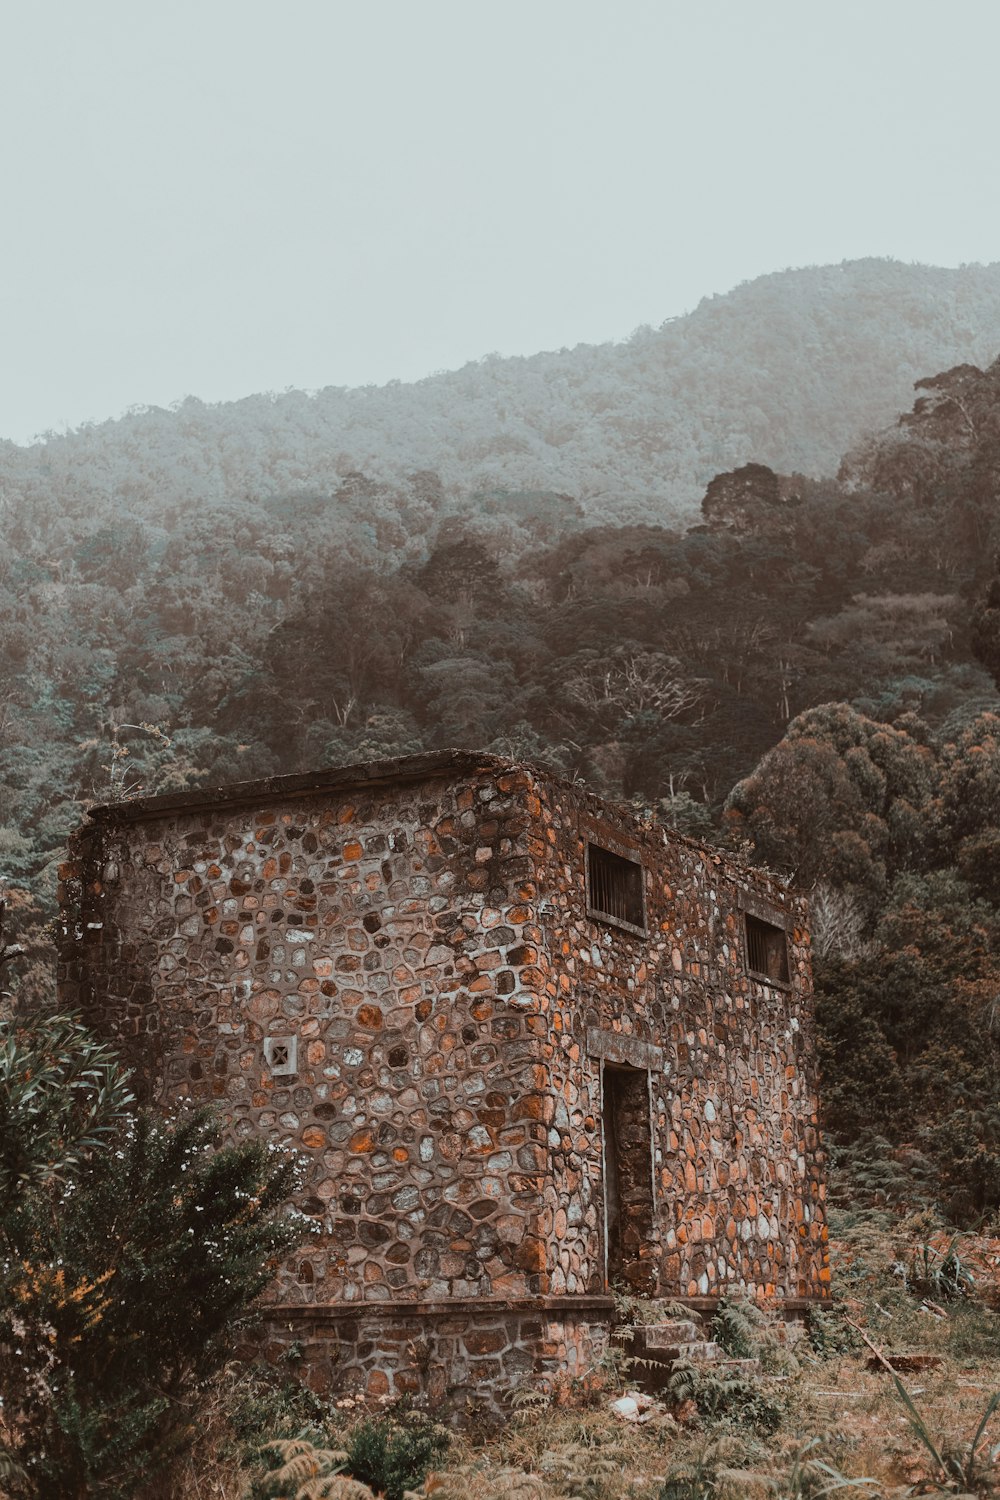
[{"x": 530, "y": 1047}]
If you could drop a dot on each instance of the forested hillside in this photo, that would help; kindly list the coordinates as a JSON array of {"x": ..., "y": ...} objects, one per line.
[
  {"x": 270, "y": 635},
  {"x": 808, "y": 671},
  {"x": 788, "y": 370}
]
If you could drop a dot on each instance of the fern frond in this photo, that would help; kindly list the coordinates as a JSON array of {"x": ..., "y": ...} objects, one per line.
[{"x": 306, "y": 1472}]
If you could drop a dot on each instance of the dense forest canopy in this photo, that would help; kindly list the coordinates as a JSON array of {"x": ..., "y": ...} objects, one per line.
[{"x": 806, "y": 668}]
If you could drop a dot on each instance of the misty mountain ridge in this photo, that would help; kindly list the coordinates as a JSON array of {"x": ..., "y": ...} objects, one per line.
[{"x": 790, "y": 370}]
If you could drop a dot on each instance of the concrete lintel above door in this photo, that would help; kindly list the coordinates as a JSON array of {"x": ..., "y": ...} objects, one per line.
[{"x": 627, "y": 1051}]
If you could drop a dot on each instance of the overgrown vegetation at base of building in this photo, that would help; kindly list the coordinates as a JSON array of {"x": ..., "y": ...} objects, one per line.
[
  {"x": 836, "y": 1421},
  {"x": 133, "y": 1249}
]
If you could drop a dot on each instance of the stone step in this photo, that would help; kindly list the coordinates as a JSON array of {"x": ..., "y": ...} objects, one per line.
[
  {"x": 655, "y": 1360},
  {"x": 727, "y": 1366},
  {"x": 705, "y": 1353},
  {"x": 698, "y": 1351},
  {"x": 665, "y": 1335}
]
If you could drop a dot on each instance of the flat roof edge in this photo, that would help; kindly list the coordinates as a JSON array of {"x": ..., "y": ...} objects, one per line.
[{"x": 433, "y": 764}]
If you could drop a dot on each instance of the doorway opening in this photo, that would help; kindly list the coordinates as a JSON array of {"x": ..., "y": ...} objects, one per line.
[{"x": 628, "y": 1179}]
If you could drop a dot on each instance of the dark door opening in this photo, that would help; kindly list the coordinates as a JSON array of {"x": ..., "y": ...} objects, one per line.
[{"x": 628, "y": 1179}]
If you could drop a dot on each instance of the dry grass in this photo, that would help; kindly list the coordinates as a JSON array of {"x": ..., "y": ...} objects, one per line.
[
  {"x": 862, "y": 1427},
  {"x": 851, "y": 1415}
]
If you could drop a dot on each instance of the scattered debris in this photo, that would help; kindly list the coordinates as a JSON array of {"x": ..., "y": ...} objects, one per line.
[
  {"x": 907, "y": 1363},
  {"x": 932, "y": 1308},
  {"x": 635, "y": 1407},
  {"x": 893, "y": 1362}
]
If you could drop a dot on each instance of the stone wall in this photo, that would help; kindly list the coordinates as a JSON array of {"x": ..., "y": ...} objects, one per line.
[
  {"x": 461, "y": 1356},
  {"x": 388, "y": 930},
  {"x": 737, "y": 1168},
  {"x": 393, "y": 969}
]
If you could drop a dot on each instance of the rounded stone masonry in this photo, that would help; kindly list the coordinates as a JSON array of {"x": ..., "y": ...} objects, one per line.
[{"x": 526, "y": 1046}]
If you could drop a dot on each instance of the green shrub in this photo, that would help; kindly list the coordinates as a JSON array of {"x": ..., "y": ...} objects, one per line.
[
  {"x": 133, "y": 1250},
  {"x": 394, "y": 1453},
  {"x": 62, "y": 1096},
  {"x": 739, "y": 1327},
  {"x": 726, "y": 1397},
  {"x": 827, "y": 1332},
  {"x": 263, "y": 1406}
]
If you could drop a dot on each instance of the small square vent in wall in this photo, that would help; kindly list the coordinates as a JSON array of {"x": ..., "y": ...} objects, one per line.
[{"x": 281, "y": 1054}]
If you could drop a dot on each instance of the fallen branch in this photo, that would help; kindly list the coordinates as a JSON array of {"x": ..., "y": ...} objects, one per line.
[{"x": 873, "y": 1347}]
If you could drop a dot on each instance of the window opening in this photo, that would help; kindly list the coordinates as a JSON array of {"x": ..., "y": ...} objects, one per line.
[
  {"x": 614, "y": 888},
  {"x": 767, "y": 950}
]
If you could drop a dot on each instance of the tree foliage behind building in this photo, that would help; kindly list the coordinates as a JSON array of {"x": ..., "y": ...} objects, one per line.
[{"x": 810, "y": 670}]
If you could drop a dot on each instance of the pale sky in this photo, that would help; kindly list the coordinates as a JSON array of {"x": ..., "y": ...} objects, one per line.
[{"x": 217, "y": 197}]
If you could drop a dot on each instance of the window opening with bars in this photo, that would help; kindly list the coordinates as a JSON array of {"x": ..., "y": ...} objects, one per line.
[
  {"x": 614, "y": 888},
  {"x": 767, "y": 949}
]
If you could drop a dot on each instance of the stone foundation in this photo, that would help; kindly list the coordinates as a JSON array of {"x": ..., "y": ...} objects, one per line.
[{"x": 457, "y": 1359}]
